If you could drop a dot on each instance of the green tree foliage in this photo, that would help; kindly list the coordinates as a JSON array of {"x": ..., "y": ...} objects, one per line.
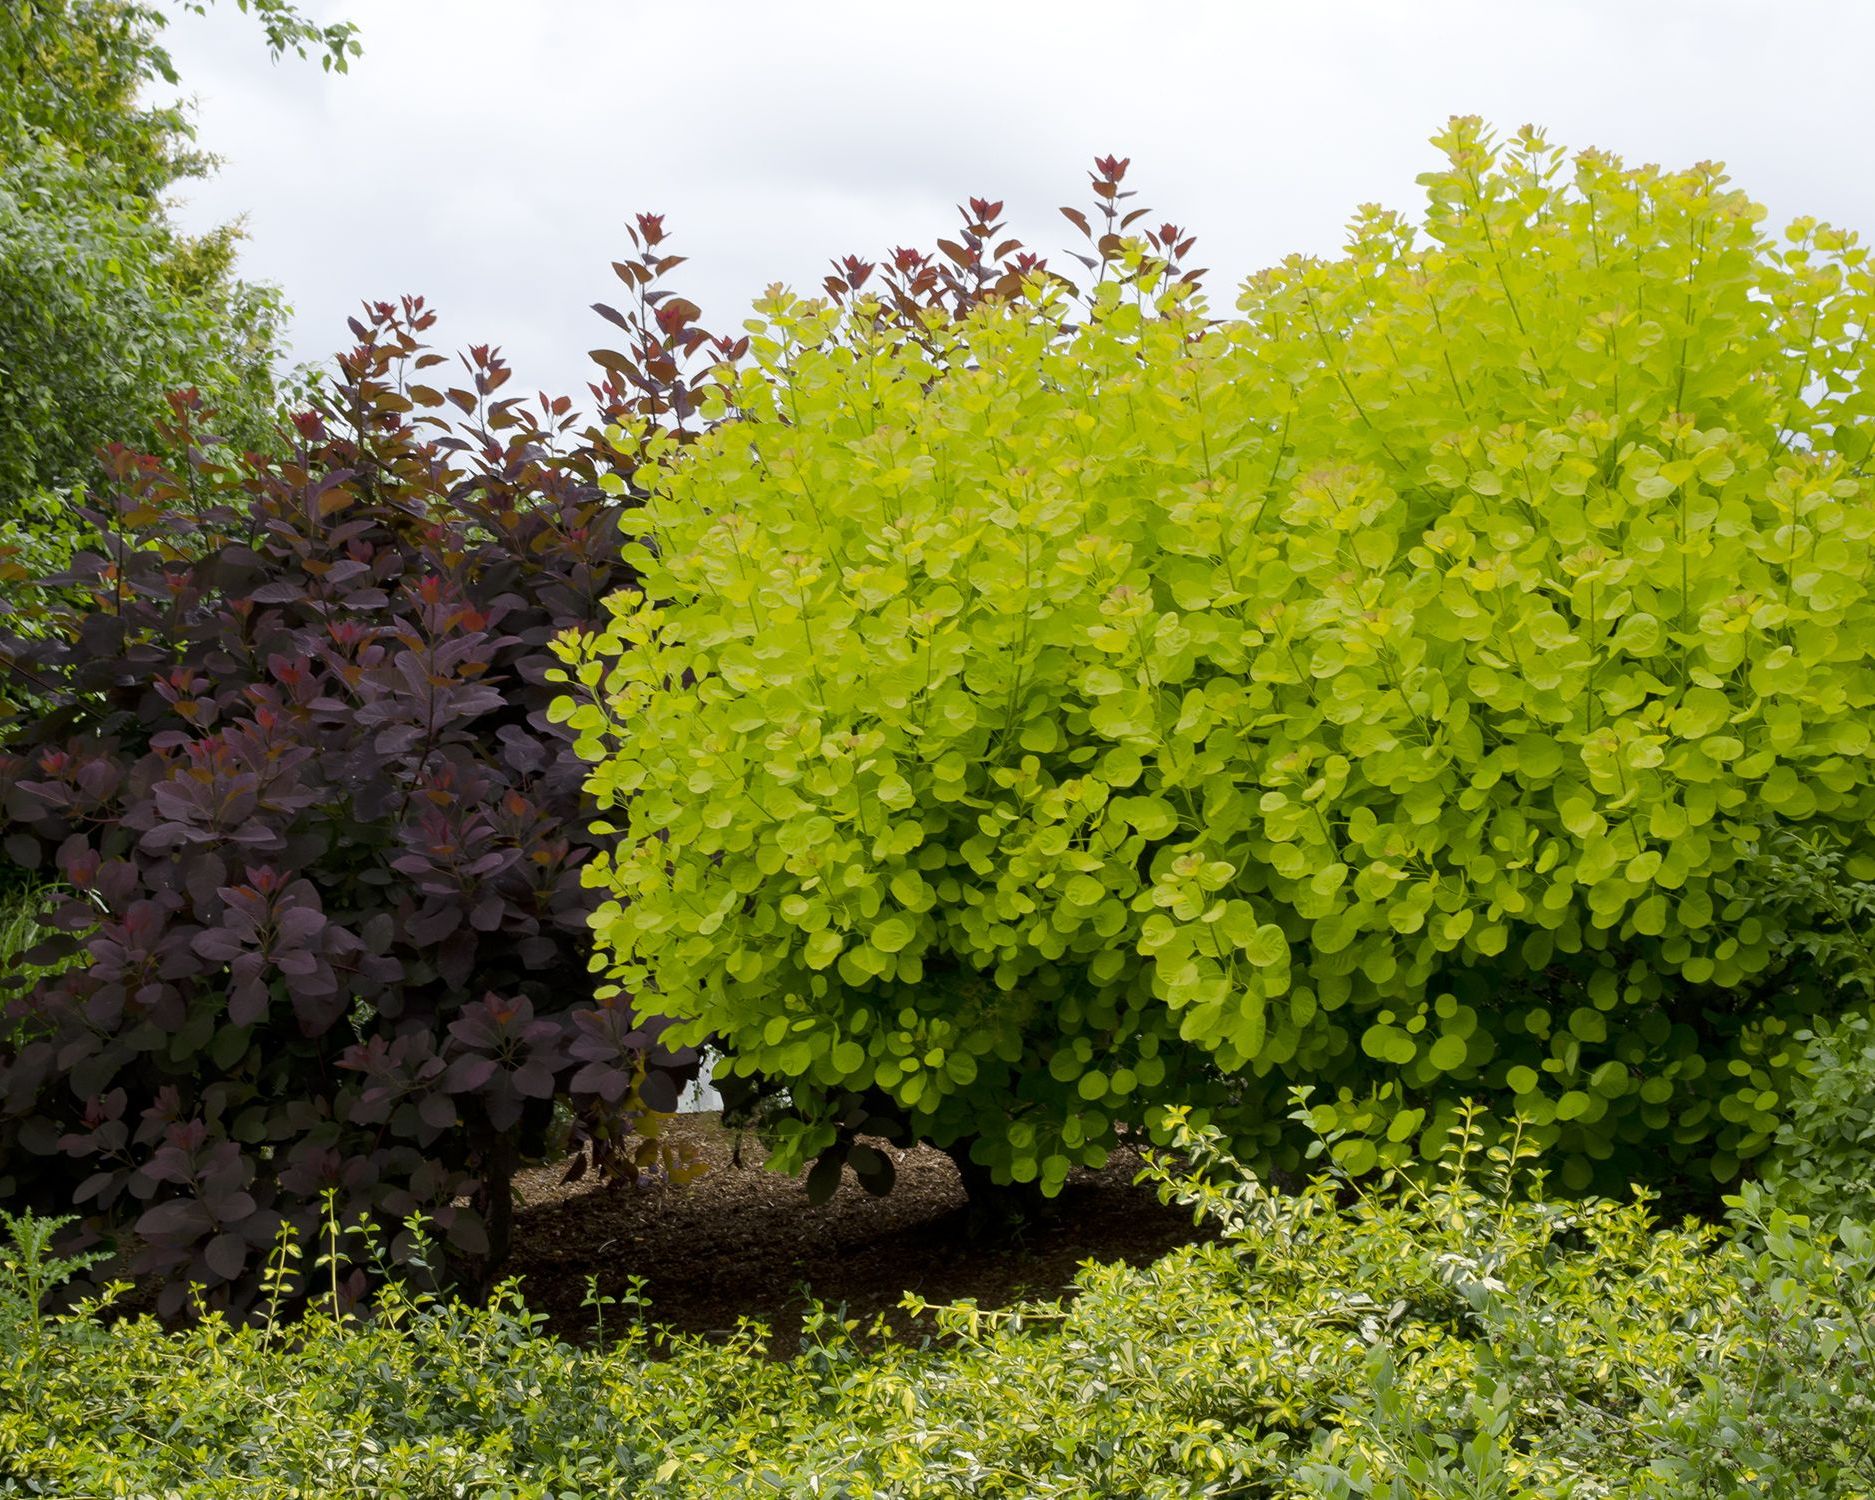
[
  {"x": 1067, "y": 712},
  {"x": 105, "y": 305},
  {"x": 76, "y": 72}
]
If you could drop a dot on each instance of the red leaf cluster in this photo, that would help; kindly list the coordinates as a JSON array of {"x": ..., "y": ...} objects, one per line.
[{"x": 285, "y": 749}]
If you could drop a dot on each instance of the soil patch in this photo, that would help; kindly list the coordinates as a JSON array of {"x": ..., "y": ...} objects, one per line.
[{"x": 742, "y": 1241}]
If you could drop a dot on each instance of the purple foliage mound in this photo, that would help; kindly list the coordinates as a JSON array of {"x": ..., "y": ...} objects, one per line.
[{"x": 279, "y": 738}]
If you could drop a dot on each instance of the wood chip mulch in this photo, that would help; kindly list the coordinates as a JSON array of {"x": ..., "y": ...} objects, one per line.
[{"x": 742, "y": 1241}]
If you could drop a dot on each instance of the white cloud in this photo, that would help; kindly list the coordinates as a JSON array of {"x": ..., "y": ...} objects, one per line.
[{"x": 488, "y": 154}]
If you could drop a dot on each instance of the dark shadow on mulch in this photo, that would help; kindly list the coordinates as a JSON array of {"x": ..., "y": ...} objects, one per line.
[{"x": 741, "y": 1241}]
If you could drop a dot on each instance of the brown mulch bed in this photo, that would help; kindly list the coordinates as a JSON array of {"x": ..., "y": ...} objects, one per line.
[{"x": 741, "y": 1241}]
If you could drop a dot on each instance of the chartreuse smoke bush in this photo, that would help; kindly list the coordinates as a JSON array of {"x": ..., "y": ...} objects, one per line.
[
  {"x": 1461, "y": 1338},
  {"x": 1083, "y": 707}
]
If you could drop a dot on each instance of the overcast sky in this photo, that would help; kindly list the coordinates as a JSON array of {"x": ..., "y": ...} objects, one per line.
[{"x": 487, "y": 155}]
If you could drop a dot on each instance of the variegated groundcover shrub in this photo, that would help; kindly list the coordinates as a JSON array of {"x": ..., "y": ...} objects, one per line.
[
  {"x": 1029, "y": 720},
  {"x": 1456, "y": 1338}
]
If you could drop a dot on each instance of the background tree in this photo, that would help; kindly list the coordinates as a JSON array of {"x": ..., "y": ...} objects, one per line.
[{"x": 105, "y": 305}]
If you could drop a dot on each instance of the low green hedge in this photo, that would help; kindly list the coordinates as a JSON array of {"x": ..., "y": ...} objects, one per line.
[
  {"x": 1823, "y": 1161},
  {"x": 1461, "y": 1336}
]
